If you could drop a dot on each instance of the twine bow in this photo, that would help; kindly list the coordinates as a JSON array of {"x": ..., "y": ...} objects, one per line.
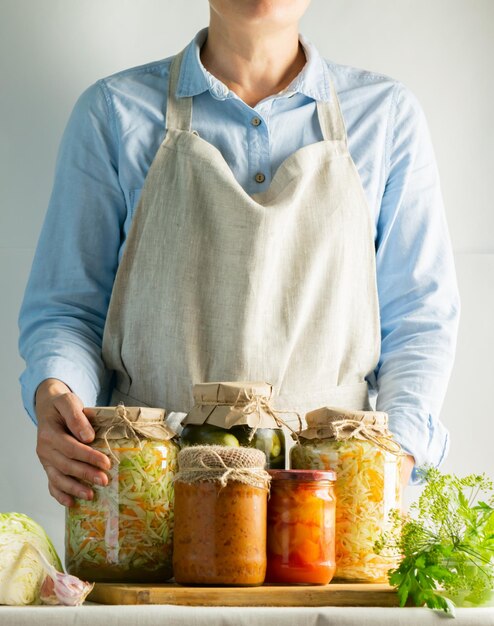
[
  {"x": 133, "y": 430},
  {"x": 255, "y": 404},
  {"x": 347, "y": 428}
]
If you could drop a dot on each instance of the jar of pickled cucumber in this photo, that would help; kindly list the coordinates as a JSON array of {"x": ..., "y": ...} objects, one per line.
[
  {"x": 235, "y": 414},
  {"x": 358, "y": 446},
  {"x": 125, "y": 534}
]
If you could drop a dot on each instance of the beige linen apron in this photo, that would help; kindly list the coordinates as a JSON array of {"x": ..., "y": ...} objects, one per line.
[{"x": 218, "y": 285}]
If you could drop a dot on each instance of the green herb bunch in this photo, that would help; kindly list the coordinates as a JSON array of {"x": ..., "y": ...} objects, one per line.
[{"x": 446, "y": 543}]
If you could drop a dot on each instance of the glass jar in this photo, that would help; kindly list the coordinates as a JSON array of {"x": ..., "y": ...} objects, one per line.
[
  {"x": 220, "y": 512},
  {"x": 125, "y": 534},
  {"x": 235, "y": 414},
  {"x": 271, "y": 441},
  {"x": 368, "y": 466},
  {"x": 301, "y": 527}
]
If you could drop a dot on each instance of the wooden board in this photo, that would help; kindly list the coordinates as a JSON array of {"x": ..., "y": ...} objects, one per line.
[{"x": 334, "y": 594}]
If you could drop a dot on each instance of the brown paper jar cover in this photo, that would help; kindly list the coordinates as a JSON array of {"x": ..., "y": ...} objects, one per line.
[
  {"x": 222, "y": 403},
  {"x": 117, "y": 422}
]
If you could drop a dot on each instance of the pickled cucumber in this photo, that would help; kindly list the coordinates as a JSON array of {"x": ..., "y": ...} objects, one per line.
[
  {"x": 270, "y": 441},
  {"x": 206, "y": 434}
]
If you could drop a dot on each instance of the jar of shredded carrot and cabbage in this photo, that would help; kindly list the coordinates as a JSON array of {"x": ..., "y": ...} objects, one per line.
[
  {"x": 125, "y": 534},
  {"x": 358, "y": 446}
]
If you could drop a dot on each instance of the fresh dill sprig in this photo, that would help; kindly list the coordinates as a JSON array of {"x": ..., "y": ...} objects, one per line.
[{"x": 446, "y": 543}]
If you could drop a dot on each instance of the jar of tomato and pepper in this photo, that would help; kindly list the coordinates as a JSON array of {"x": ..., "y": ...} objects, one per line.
[{"x": 300, "y": 530}]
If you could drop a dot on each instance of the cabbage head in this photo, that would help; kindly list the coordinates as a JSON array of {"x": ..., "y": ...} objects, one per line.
[{"x": 21, "y": 569}]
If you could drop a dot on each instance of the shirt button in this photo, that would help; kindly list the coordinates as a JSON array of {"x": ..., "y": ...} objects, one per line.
[
  {"x": 255, "y": 121},
  {"x": 260, "y": 178}
]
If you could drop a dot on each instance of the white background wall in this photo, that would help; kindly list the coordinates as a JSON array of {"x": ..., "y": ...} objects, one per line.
[{"x": 51, "y": 50}]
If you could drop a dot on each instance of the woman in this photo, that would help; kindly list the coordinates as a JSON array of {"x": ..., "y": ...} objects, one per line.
[{"x": 290, "y": 229}]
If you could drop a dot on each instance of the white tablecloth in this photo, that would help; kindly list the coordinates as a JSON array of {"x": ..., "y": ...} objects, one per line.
[{"x": 155, "y": 615}]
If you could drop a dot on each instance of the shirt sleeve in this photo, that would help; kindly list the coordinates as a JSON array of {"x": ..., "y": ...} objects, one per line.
[
  {"x": 66, "y": 299},
  {"x": 418, "y": 294}
]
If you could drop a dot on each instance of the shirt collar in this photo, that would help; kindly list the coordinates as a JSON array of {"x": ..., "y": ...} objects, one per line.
[{"x": 313, "y": 81}]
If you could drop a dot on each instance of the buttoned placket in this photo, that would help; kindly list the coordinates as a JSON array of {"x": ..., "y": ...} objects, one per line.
[
  {"x": 259, "y": 159},
  {"x": 259, "y": 148},
  {"x": 258, "y": 142}
]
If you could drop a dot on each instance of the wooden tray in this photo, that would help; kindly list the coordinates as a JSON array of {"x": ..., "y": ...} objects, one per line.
[{"x": 334, "y": 594}]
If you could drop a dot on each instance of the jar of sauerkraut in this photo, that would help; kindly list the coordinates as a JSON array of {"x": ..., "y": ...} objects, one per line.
[
  {"x": 236, "y": 414},
  {"x": 358, "y": 446},
  {"x": 125, "y": 534}
]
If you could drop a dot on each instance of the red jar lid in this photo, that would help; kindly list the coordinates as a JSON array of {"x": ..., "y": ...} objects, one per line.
[{"x": 307, "y": 475}]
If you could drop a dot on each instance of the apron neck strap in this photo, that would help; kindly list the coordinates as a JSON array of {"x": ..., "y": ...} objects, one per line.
[
  {"x": 178, "y": 110},
  {"x": 331, "y": 119}
]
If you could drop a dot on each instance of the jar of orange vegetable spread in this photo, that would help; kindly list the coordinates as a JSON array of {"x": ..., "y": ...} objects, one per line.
[
  {"x": 358, "y": 446},
  {"x": 220, "y": 516},
  {"x": 301, "y": 524},
  {"x": 125, "y": 533}
]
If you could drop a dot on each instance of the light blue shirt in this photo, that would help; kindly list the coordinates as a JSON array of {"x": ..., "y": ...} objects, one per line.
[{"x": 110, "y": 141}]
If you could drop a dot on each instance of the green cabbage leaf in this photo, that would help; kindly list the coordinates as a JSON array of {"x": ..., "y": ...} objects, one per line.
[{"x": 30, "y": 570}]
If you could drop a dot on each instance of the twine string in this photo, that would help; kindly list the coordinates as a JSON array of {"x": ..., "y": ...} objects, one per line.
[
  {"x": 348, "y": 428},
  {"x": 255, "y": 404},
  {"x": 121, "y": 415},
  {"x": 199, "y": 470},
  {"x": 224, "y": 476}
]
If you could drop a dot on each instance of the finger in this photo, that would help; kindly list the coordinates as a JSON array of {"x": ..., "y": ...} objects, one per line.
[
  {"x": 83, "y": 471},
  {"x": 68, "y": 485},
  {"x": 63, "y": 498},
  {"x": 54, "y": 437},
  {"x": 78, "y": 451},
  {"x": 70, "y": 408}
]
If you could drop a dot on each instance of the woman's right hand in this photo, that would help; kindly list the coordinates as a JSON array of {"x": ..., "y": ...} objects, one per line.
[{"x": 63, "y": 432}]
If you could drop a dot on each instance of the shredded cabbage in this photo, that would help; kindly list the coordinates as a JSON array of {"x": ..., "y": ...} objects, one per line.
[
  {"x": 367, "y": 488},
  {"x": 125, "y": 532}
]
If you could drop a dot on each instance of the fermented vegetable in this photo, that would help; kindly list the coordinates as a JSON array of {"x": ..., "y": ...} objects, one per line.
[
  {"x": 367, "y": 489},
  {"x": 301, "y": 527},
  {"x": 220, "y": 507},
  {"x": 206, "y": 434},
  {"x": 271, "y": 441},
  {"x": 125, "y": 532}
]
